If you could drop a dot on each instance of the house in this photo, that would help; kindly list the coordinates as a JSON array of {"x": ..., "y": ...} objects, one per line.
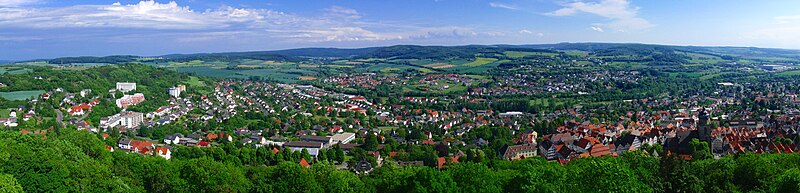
[
  {"x": 203, "y": 144},
  {"x": 517, "y": 152},
  {"x": 173, "y": 139},
  {"x": 124, "y": 119},
  {"x": 325, "y": 140},
  {"x": 124, "y": 143},
  {"x": 343, "y": 138},
  {"x": 141, "y": 147},
  {"x": 130, "y": 100},
  {"x": 9, "y": 122},
  {"x": 164, "y": 152},
  {"x": 312, "y": 147},
  {"x": 126, "y": 86},
  {"x": 362, "y": 167}
]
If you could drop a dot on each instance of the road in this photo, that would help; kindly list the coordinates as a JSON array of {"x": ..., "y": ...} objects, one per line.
[{"x": 60, "y": 117}]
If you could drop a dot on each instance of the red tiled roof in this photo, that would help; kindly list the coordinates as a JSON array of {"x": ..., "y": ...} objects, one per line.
[{"x": 304, "y": 163}]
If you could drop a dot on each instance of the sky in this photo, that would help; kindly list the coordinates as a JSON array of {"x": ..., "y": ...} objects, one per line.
[{"x": 34, "y": 29}]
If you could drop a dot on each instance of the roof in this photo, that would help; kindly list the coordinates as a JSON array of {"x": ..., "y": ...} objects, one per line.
[
  {"x": 204, "y": 143},
  {"x": 304, "y": 163},
  {"x": 303, "y": 144},
  {"x": 162, "y": 150},
  {"x": 511, "y": 151},
  {"x": 315, "y": 138}
]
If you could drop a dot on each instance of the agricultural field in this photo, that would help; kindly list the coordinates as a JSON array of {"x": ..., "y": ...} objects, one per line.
[
  {"x": 13, "y": 70},
  {"x": 440, "y": 65},
  {"x": 789, "y": 73},
  {"x": 480, "y": 62},
  {"x": 20, "y": 95}
]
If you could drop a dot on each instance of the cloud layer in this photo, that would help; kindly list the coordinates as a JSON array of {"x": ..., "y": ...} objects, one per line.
[
  {"x": 335, "y": 24},
  {"x": 622, "y": 16}
]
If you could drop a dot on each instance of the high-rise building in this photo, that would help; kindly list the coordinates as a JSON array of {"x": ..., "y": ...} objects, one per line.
[{"x": 175, "y": 92}]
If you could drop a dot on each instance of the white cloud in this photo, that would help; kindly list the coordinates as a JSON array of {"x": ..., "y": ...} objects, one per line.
[
  {"x": 343, "y": 12},
  {"x": 786, "y": 33},
  {"x": 524, "y": 31},
  {"x": 623, "y": 16},
  {"x": 150, "y": 20},
  {"x": 787, "y": 18},
  {"x": 503, "y": 6},
  {"x": 598, "y": 29},
  {"x": 17, "y": 3},
  {"x": 145, "y": 14}
]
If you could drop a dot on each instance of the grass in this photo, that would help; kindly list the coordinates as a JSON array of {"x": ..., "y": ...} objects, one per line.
[
  {"x": 4, "y": 113},
  {"x": 440, "y": 65},
  {"x": 710, "y": 76},
  {"x": 307, "y": 78},
  {"x": 195, "y": 82},
  {"x": 480, "y": 62},
  {"x": 20, "y": 95},
  {"x": 789, "y": 73},
  {"x": 14, "y": 70}
]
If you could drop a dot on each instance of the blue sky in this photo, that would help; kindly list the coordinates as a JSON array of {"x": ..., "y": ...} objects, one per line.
[{"x": 51, "y": 28}]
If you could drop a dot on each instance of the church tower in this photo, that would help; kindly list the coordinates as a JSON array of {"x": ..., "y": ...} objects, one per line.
[{"x": 703, "y": 128}]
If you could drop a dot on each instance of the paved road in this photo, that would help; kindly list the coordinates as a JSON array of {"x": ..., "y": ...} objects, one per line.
[{"x": 60, "y": 117}]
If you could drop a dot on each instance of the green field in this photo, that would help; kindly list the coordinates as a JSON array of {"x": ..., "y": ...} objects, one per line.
[
  {"x": 195, "y": 82},
  {"x": 20, "y": 95},
  {"x": 289, "y": 75},
  {"x": 710, "y": 76},
  {"x": 789, "y": 73},
  {"x": 480, "y": 62},
  {"x": 13, "y": 70}
]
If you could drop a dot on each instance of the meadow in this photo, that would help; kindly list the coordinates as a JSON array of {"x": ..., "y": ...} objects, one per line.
[{"x": 20, "y": 95}]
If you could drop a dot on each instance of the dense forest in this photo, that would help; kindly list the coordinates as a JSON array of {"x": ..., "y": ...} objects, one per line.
[{"x": 76, "y": 161}]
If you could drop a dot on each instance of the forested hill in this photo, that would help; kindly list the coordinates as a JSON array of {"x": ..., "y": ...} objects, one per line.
[
  {"x": 66, "y": 160},
  {"x": 660, "y": 54}
]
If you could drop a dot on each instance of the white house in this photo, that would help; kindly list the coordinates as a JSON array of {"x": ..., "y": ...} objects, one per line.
[
  {"x": 343, "y": 138},
  {"x": 126, "y": 86},
  {"x": 312, "y": 147},
  {"x": 164, "y": 152}
]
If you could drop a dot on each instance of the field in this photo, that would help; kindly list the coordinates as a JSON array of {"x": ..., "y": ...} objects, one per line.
[
  {"x": 307, "y": 78},
  {"x": 13, "y": 70},
  {"x": 20, "y": 95},
  {"x": 195, "y": 82},
  {"x": 790, "y": 73},
  {"x": 440, "y": 65},
  {"x": 710, "y": 76},
  {"x": 480, "y": 62}
]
